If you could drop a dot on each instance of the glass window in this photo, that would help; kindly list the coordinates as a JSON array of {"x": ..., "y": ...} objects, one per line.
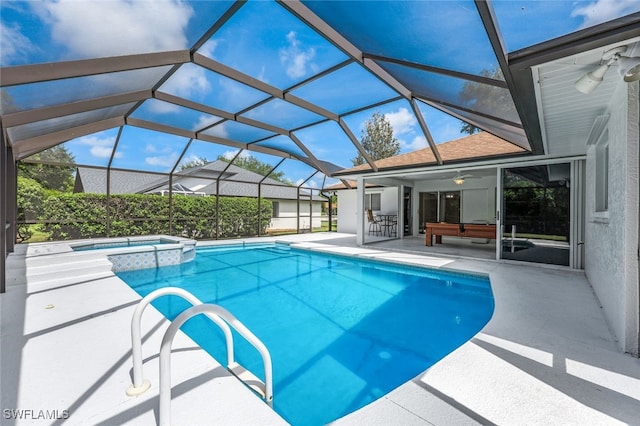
[
  {"x": 602, "y": 174},
  {"x": 450, "y": 207},
  {"x": 428, "y": 209},
  {"x": 373, "y": 202}
]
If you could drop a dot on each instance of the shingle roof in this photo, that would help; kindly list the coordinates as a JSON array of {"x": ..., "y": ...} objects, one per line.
[
  {"x": 475, "y": 146},
  {"x": 94, "y": 181},
  {"x": 354, "y": 184},
  {"x": 235, "y": 182}
]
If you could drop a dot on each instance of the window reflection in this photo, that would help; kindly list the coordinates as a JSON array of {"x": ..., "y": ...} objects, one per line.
[{"x": 536, "y": 214}]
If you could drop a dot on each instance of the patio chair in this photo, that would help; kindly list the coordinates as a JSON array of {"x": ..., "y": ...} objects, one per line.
[
  {"x": 374, "y": 223},
  {"x": 394, "y": 226}
]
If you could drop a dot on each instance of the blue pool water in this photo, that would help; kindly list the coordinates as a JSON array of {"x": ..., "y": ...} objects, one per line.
[{"x": 341, "y": 332}]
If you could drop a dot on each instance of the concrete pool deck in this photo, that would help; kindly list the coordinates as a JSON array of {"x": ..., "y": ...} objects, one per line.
[{"x": 546, "y": 357}]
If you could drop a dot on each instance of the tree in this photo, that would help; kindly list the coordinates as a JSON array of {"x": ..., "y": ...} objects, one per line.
[
  {"x": 377, "y": 140},
  {"x": 58, "y": 177},
  {"x": 487, "y": 98},
  {"x": 252, "y": 164},
  {"x": 469, "y": 129},
  {"x": 196, "y": 162}
]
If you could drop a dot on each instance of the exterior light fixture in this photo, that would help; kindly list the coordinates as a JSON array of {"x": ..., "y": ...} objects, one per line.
[{"x": 629, "y": 68}]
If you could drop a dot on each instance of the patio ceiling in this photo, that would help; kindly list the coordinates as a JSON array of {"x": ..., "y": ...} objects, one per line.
[{"x": 230, "y": 82}]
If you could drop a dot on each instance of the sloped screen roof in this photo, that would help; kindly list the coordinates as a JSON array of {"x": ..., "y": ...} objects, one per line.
[{"x": 147, "y": 85}]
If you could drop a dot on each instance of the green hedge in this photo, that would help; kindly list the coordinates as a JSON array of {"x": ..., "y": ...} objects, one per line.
[{"x": 85, "y": 216}]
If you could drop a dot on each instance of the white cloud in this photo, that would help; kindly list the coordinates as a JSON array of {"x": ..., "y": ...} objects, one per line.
[
  {"x": 163, "y": 160},
  {"x": 117, "y": 27},
  {"x": 604, "y": 10},
  {"x": 209, "y": 48},
  {"x": 205, "y": 121},
  {"x": 402, "y": 121},
  {"x": 153, "y": 149},
  {"x": 103, "y": 152},
  {"x": 189, "y": 81},
  {"x": 232, "y": 153},
  {"x": 312, "y": 183},
  {"x": 295, "y": 58},
  {"x": 419, "y": 142},
  {"x": 13, "y": 44},
  {"x": 99, "y": 147},
  {"x": 163, "y": 107},
  {"x": 220, "y": 131}
]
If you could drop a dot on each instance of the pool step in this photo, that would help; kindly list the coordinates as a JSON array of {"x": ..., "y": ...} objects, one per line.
[
  {"x": 248, "y": 378},
  {"x": 69, "y": 272}
]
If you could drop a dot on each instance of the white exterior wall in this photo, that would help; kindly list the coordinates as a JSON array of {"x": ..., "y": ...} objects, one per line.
[
  {"x": 289, "y": 212},
  {"x": 348, "y": 206},
  {"x": 611, "y": 240}
]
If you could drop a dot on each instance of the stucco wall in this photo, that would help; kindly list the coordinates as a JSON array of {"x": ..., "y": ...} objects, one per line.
[
  {"x": 287, "y": 218},
  {"x": 347, "y": 206},
  {"x": 611, "y": 240}
]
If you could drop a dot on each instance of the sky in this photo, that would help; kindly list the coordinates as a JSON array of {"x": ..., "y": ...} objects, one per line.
[{"x": 269, "y": 44}]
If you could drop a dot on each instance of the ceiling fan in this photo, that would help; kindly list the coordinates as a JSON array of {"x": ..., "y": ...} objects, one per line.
[{"x": 458, "y": 179}]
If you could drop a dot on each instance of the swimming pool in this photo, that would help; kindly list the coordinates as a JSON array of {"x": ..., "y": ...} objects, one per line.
[{"x": 342, "y": 331}]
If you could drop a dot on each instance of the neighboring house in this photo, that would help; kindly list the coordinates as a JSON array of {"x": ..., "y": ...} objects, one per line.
[{"x": 217, "y": 177}]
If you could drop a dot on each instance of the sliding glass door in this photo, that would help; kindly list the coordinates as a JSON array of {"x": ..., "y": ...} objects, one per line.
[
  {"x": 536, "y": 213},
  {"x": 439, "y": 207}
]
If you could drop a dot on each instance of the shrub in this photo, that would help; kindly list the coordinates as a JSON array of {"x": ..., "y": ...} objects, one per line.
[{"x": 72, "y": 216}]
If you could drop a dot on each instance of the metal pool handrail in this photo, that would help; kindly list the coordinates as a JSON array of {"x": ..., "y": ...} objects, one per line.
[
  {"x": 165, "y": 354},
  {"x": 140, "y": 385}
]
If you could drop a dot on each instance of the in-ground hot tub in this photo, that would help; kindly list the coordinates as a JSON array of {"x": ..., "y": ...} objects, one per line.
[{"x": 131, "y": 253}]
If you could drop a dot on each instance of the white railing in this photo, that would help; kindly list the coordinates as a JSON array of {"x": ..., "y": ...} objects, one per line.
[
  {"x": 165, "y": 354},
  {"x": 140, "y": 385}
]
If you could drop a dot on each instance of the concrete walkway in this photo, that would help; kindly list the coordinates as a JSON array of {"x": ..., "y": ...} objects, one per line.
[{"x": 546, "y": 356}]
